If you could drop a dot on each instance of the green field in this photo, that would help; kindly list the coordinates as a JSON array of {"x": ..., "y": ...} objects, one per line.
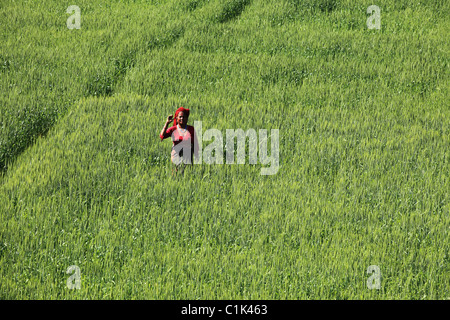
[{"x": 364, "y": 177}]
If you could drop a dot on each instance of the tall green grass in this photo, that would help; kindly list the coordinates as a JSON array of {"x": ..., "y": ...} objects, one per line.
[{"x": 364, "y": 136}]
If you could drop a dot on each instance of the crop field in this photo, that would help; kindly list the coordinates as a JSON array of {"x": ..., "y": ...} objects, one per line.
[{"x": 363, "y": 181}]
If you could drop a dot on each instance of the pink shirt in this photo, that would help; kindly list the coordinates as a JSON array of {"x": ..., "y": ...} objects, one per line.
[{"x": 178, "y": 135}]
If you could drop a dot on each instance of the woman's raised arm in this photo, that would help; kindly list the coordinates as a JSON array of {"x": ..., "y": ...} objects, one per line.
[{"x": 164, "y": 129}]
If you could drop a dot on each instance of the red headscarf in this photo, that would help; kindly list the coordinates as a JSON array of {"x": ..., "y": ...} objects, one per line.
[{"x": 181, "y": 109}]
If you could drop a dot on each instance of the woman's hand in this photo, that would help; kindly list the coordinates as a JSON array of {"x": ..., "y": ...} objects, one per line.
[{"x": 162, "y": 135}]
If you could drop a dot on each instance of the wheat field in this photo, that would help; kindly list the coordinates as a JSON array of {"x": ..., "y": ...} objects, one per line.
[{"x": 363, "y": 117}]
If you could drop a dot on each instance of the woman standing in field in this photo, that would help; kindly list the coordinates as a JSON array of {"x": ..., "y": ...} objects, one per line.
[{"x": 183, "y": 138}]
